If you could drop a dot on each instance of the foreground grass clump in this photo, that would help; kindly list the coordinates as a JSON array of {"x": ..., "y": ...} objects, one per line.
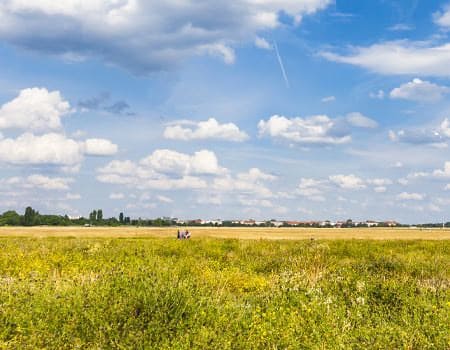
[{"x": 70, "y": 293}]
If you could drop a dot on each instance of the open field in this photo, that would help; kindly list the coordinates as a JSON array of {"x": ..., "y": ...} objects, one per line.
[
  {"x": 160, "y": 293},
  {"x": 239, "y": 233}
]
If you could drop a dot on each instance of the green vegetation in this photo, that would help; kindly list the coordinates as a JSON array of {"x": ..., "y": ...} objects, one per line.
[
  {"x": 32, "y": 217},
  {"x": 154, "y": 293}
]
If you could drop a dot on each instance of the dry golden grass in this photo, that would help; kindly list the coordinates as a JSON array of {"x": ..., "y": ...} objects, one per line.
[{"x": 238, "y": 232}]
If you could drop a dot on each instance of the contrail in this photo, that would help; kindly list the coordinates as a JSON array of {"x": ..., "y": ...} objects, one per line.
[{"x": 280, "y": 61}]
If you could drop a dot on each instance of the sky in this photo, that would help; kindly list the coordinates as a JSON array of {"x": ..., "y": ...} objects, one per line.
[{"x": 285, "y": 109}]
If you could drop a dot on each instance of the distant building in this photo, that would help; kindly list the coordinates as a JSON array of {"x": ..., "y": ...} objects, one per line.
[
  {"x": 260, "y": 223},
  {"x": 391, "y": 223},
  {"x": 339, "y": 224},
  {"x": 217, "y": 222},
  {"x": 276, "y": 223},
  {"x": 292, "y": 223},
  {"x": 371, "y": 223}
]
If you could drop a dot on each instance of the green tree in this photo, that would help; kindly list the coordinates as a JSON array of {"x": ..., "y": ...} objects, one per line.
[
  {"x": 93, "y": 216},
  {"x": 10, "y": 218},
  {"x": 99, "y": 215},
  {"x": 29, "y": 216}
]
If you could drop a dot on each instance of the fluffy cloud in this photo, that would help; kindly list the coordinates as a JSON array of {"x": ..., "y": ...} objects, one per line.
[
  {"x": 437, "y": 137},
  {"x": 399, "y": 57},
  {"x": 163, "y": 169},
  {"x": 410, "y": 196},
  {"x": 52, "y": 148},
  {"x": 318, "y": 129},
  {"x": 209, "y": 129},
  {"x": 419, "y": 90},
  {"x": 312, "y": 189},
  {"x": 38, "y": 181},
  {"x": 251, "y": 182},
  {"x": 140, "y": 35},
  {"x": 380, "y": 184},
  {"x": 255, "y": 175},
  {"x": 444, "y": 172},
  {"x": 437, "y": 173},
  {"x": 171, "y": 162},
  {"x": 160, "y": 182},
  {"x": 444, "y": 128},
  {"x": 35, "y": 109},
  {"x": 48, "y": 183},
  {"x": 99, "y": 147},
  {"x": 350, "y": 182},
  {"x": 442, "y": 18},
  {"x": 361, "y": 121}
]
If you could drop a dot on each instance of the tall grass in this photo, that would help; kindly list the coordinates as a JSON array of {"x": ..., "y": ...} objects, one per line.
[{"x": 58, "y": 293}]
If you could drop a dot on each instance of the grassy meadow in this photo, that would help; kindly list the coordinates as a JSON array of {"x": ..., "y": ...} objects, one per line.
[{"x": 101, "y": 292}]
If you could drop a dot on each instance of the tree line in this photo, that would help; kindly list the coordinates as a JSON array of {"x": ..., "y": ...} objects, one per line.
[{"x": 32, "y": 217}]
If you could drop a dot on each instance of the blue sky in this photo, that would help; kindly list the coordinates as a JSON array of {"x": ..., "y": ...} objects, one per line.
[{"x": 181, "y": 108}]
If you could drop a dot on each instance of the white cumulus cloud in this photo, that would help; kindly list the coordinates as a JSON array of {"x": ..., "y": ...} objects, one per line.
[
  {"x": 255, "y": 174},
  {"x": 318, "y": 129},
  {"x": 419, "y": 90},
  {"x": 99, "y": 147},
  {"x": 172, "y": 162},
  {"x": 253, "y": 182},
  {"x": 164, "y": 170},
  {"x": 350, "y": 182},
  {"x": 443, "y": 172},
  {"x": 312, "y": 189},
  {"x": 48, "y": 183},
  {"x": 442, "y": 18},
  {"x": 35, "y": 109},
  {"x": 140, "y": 35},
  {"x": 37, "y": 181},
  {"x": 209, "y": 129},
  {"x": 50, "y": 148}
]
